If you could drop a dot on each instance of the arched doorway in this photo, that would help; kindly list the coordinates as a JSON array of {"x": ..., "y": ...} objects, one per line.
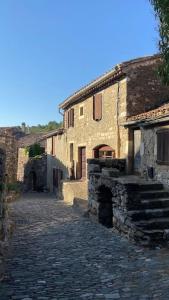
[
  {"x": 103, "y": 151},
  {"x": 105, "y": 211}
]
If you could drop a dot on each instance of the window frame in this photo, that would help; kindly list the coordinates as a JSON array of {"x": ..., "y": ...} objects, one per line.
[
  {"x": 163, "y": 148},
  {"x": 81, "y": 107}
]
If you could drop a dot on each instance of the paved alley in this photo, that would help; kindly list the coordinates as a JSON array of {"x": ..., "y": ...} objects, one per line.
[{"x": 58, "y": 254}]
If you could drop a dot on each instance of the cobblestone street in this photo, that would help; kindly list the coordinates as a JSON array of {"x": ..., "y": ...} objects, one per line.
[{"x": 58, "y": 254}]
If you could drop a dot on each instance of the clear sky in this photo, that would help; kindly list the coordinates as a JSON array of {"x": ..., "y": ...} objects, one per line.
[{"x": 50, "y": 48}]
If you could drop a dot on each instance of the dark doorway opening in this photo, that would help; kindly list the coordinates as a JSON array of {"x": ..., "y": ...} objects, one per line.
[
  {"x": 105, "y": 206},
  {"x": 33, "y": 181}
]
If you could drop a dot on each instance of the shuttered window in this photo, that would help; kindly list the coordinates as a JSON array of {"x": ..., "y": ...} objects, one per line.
[
  {"x": 97, "y": 107},
  {"x": 71, "y": 117},
  {"x": 163, "y": 146}
]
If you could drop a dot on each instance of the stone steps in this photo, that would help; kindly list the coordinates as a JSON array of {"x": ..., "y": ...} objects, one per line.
[
  {"x": 154, "y": 194},
  {"x": 154, "y": 203},
  {"x": 154, "y": 234},
  {"x": 147, "y": 214},
  {"x": 151, "y": 213},
  {"x": 154, "y": 223},
  {"x": 151, "y": 186}
]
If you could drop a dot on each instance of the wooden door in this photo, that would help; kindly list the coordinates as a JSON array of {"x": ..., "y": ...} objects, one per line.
[{"x": 82, "y": 162}]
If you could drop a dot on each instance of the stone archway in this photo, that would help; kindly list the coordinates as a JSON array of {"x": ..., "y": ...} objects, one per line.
[
  {"x": 105, "y": 209},
  {"x": 103, "y": 151}
]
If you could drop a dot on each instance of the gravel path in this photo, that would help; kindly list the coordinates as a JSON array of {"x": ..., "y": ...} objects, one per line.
[{"x": 58, "y": 254}]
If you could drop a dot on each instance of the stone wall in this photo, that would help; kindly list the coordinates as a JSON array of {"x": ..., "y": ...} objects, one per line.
[
  {"x": 74, "y": 189},
  {"x": 23, "y": 158},
  {"x": 9, "y": 145},
  {"x": 112, "y": 196},
  {"x": 35, "y": 174},
  {"x": 3, "y": 210},
  {"x": 145, "y": 90},
  {"x": 149, "y": 156}
]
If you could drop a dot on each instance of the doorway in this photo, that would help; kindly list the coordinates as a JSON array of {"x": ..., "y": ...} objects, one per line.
[
  {"x": 82, "y": 162},
  {"x": 137, "y": 154}
]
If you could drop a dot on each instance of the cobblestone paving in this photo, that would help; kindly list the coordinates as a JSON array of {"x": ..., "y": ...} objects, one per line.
[{"x": 58, "y": 254}]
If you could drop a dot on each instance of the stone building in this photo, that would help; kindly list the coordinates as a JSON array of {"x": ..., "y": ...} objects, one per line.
[
  {"x": 151, "y": 149},
  {"x": 32, "y": 169},
  {"x": 94, "y": 118}
]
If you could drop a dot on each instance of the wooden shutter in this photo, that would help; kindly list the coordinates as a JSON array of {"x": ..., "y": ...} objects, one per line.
[
  {"x": 68, "y": 118},
  {"x": 65, "y": 119},
  {"x": 72, "y": 117},
  {"x": 97, "y": 107},
  {"x": 163, "y": 146}
]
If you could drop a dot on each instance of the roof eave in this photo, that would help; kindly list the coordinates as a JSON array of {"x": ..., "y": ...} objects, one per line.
[
  {"x": 91, "y": 88},
  {"x": 147, "y": 122}
]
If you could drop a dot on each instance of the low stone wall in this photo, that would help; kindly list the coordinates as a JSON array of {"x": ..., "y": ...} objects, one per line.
[
  {"x": 74, "y": 189},
  {"x": 112, "y": 195}
]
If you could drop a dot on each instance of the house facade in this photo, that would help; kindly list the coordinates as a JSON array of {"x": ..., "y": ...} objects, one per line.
[
  {"x": 94, "y": 118},
  {"x": 153, "y": 145}
]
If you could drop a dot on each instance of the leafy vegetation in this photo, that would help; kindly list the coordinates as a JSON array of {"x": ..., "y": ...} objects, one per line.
[
  {"x": 161, "y": 8},
  {"x": 52, "y": 125},
  {"x": 34, "y": 150},
  {"x": 10, "y": 187}
]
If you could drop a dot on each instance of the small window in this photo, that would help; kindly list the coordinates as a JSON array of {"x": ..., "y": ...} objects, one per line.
[
  {"x": 163, "y": 146},
  {"x": 97, "y": 107},
  {"x": 81, "y": 111}
]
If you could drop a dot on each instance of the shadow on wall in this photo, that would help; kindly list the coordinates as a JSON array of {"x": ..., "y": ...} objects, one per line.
[{"x": 35, "y": 174}]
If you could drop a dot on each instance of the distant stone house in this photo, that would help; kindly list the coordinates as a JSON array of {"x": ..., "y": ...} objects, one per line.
[
  {"x": 31, "y": 171},
  {"x": 93, "y": 118},
  {"x": 151, "y": 150}
]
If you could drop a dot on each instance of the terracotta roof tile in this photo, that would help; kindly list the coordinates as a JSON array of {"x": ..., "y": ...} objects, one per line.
[{"x": 161, "y": 111}]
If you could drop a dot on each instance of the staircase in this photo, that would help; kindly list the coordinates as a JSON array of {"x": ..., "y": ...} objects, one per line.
[{"x": 151, "y": 217}]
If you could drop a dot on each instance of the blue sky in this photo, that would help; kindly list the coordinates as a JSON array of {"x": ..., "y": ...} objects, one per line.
[{"x": 50, "y": 48}]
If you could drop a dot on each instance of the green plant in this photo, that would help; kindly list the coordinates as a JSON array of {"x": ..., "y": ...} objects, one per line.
[
  {"x": 161, "y": 8},
  {"x": 34, "y": 150}
]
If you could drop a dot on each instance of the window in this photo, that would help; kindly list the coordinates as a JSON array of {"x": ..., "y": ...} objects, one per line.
[
  {"x": 70, "y": 115},
  {"x": 81, "y": 113},
  {"x": 163, "y": 146},
  {"x": 97, "y": 107}
]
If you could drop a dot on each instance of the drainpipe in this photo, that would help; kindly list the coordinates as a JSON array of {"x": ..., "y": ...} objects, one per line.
[
  {"x": 117, "y": 119},
  {"x": 60, "y": 112}
]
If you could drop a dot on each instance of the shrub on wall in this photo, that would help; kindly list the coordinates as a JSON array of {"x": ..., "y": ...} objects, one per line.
[{"x": 34, "y": 150}]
